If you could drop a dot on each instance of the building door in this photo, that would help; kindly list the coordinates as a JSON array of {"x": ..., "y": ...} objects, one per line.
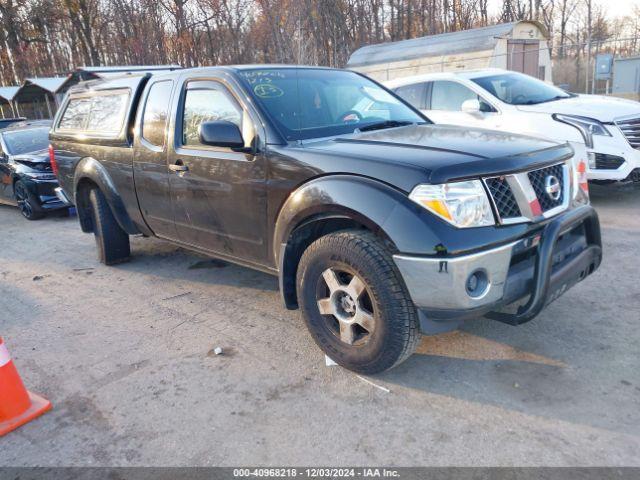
[{"x": 524, "y": 57}]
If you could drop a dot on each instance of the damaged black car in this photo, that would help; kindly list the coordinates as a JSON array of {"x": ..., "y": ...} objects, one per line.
[{"x": 27, "y": 178}]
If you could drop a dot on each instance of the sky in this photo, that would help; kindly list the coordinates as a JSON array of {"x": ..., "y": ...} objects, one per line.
[{"x": 614, "y": 8}]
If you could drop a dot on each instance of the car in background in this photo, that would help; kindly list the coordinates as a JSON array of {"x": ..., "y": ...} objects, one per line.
[
  {"x": 5, "y": 122},
  {"x": 25, "y": 171},
  {"x": 605, "y": 130}
]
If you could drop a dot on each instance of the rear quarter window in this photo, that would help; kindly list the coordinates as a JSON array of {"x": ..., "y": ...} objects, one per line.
[
  {"x": 102, "y": 114},
  {"x": 156, "y": 113}
]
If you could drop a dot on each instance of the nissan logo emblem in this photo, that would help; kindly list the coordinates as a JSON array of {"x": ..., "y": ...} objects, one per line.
[{"x": 552, "y": 187}]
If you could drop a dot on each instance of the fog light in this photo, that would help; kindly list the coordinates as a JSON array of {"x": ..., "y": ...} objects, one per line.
[
  {"x": 472, "y": 284},
  {"x": 477, "y": 283}
]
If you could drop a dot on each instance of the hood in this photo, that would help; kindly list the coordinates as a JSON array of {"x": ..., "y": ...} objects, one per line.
[
  {"x": 441, "y": 152},
  {"x": 604, "y": 109},
  {"x": 34, "y": 157},
  {"x": 37, "y": 160}
]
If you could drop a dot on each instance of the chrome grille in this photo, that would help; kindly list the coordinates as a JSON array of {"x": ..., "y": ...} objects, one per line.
[
  {"x": 631, "y": 130},
  {"x": 503, "y": 197},
  {"x": 523, "y": 197},
  {"x": 538, "y": 179}
]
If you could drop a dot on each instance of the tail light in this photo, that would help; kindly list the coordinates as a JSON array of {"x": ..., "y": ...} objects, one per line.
[{"x": 52, "y": 160}]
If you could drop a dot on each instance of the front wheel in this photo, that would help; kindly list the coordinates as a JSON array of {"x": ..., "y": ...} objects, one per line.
[
  {"x": 355, "y": 304},
  {"x": 27, "y": 204}
]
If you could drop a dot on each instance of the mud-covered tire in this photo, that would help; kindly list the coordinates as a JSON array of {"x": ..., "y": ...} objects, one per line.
[
  {"x": 112, "y": 241},
  {"x": 395, "y": 332}
]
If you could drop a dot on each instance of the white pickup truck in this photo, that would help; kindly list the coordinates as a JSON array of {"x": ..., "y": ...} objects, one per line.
[{"x": 604, "y": 129}]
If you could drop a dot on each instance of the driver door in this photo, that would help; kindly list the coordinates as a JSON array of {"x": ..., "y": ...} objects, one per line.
[{"x": 218, "y": 194}]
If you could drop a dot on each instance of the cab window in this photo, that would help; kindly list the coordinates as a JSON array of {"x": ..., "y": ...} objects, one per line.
[{"x": 204, "y": 104}]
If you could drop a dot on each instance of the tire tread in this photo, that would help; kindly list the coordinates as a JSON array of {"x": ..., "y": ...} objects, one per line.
[
  {"x": 112, "y": 241},
  {"x": 363, "y": 245}
]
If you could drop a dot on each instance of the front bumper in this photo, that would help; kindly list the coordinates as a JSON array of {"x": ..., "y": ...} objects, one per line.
[
  {"x": 612, "y": 151},
  {"x": 61, "y": 196},
  {"x": 540, "y": 267},
  {"x": 44, "y": 191}
]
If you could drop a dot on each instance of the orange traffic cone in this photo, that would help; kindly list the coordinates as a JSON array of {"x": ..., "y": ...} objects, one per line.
[{"x": 17, "y": 405}]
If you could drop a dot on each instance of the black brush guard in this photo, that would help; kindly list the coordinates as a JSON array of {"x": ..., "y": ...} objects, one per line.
[{"x": 548, "y": 284}]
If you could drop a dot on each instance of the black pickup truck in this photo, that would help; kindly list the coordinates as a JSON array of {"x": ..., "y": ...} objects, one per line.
[{"x": 380, "y": 225}]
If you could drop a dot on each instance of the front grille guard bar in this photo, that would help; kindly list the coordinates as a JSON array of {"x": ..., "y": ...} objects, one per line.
[{"x": 544, "y": 262}]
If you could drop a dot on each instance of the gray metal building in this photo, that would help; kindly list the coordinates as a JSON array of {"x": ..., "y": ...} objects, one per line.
[{"x": 626, "y": 77}]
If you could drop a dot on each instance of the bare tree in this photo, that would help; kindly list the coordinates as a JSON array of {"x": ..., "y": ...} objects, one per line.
[
  {"x": 47, "y": 37},
  {"x": 84, "y": 17}
]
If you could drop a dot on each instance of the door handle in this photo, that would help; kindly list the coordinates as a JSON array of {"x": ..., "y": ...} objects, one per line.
[{"x": 178, "y": 167}]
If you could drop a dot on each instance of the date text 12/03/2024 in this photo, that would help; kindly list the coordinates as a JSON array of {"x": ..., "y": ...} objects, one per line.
[{"x": 317, "y": 472}]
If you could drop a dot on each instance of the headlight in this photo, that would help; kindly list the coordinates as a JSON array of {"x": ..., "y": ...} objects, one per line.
[
  {"x": 463, "y": 204},
  {"x": 588, "y": 127}
]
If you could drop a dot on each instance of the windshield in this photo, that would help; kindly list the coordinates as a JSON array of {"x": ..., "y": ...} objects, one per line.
[
  {"x": 314, "y": 103},
  {"x": 519, "y": 89},
  {"x": 26, "y": 141}
]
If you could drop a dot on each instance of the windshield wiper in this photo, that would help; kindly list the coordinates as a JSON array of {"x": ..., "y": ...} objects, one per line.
[
  {"x": 553, "y": 99},
  {"x": 384, "y": 124},
  {"x": 537, "y": 102}
]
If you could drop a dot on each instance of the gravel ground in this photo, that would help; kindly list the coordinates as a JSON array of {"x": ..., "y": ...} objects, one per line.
[{"x": 125, "y": 355}]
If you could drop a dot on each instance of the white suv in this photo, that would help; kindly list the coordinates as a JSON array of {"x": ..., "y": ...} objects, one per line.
[{"x": 604, "y": 129}]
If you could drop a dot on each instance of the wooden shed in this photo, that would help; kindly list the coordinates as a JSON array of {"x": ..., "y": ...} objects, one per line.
[
  {"x": 519, "y": 46},
  {"x": 7, "y": 94},
  {"x": 40, "y": 97}
]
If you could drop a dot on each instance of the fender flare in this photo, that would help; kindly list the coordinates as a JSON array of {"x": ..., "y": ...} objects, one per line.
[
  {"x": 91, "y": 169},
  {"x": 376, "y": 205},
  {"x": 386, "y": 211}
]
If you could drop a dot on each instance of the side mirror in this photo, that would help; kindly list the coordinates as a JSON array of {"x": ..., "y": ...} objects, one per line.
[
  {"x": 471, "y": 106},
  {"x": 221, "y": 133}
]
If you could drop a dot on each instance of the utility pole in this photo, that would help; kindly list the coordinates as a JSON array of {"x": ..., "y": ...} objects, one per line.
[{"x": 588, "y": 65}]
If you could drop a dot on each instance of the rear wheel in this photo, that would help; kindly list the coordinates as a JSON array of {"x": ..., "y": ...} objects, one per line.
[
  {"x": 27, "y": 204},
  {"x": 112, "y": 241},
  {"x": 355, "y": 303}
]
